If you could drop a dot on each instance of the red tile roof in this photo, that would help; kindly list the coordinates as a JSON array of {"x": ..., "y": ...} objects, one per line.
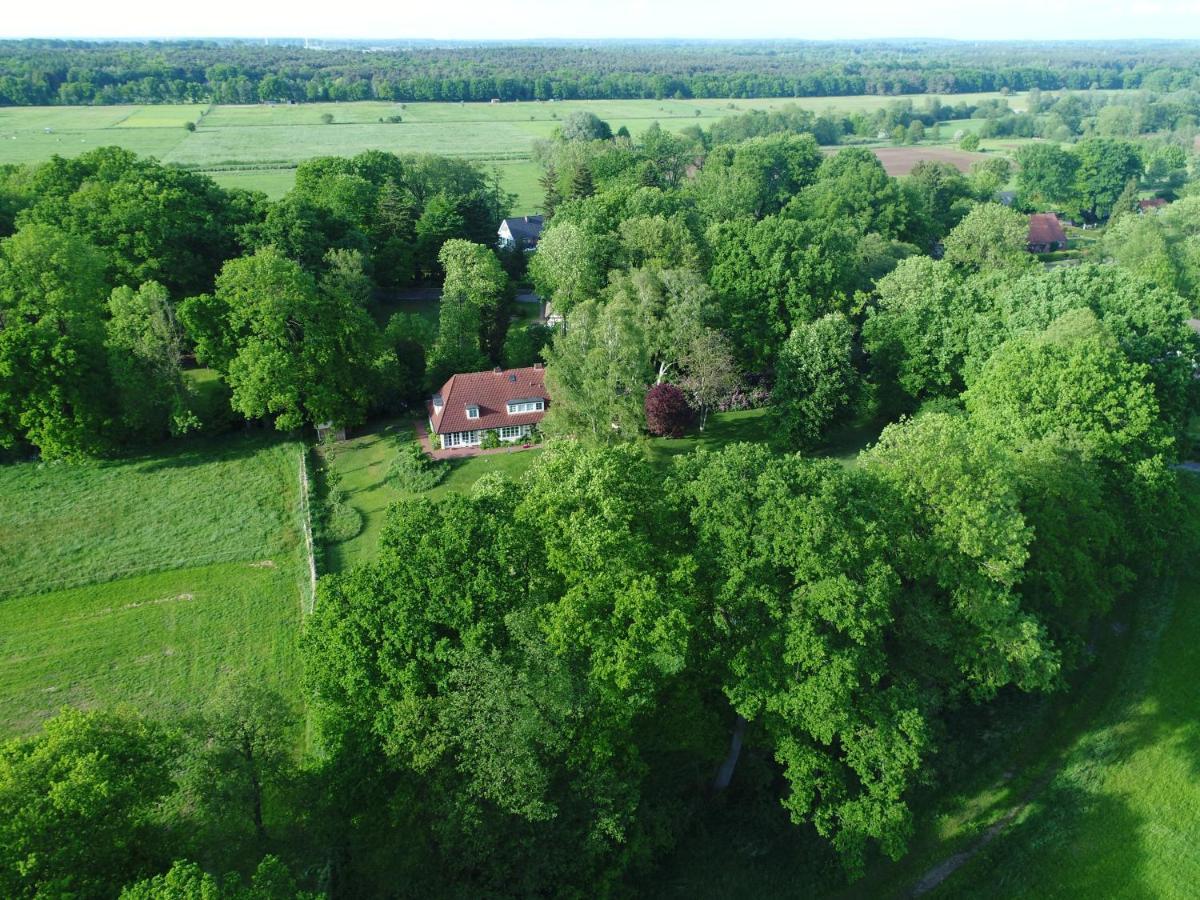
[
  {"x": 491, "y": 392},
  {"x": 1044, "y": 228},
  {"x": 1152, "y": 203}
]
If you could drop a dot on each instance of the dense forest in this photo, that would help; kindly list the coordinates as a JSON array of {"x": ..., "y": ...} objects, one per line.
[
  {"x": 547, "y": 687},
  {"x": 41, "y": 72}
]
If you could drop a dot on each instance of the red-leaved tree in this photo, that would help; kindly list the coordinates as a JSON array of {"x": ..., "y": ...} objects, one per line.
[{"x": 667, "y": 411}]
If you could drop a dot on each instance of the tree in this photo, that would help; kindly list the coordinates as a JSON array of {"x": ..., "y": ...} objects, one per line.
[
  {"x": 852, "y": 186},
  {"x": 667, "y": 411},
  {"x": 78, "y": 805},
  {"x": 816, "y": 383},
  {"x": 439, "y": 221},
  {"x": 673, "y": 308},
  {"x": 551, "y": 195},
  {"x": 596, "y": 373},
  {"x": 145, "y": 345},
  {"x": 474, "y": 273},
  {"x": 1105, "y": 167},
  {"x": 457, "y": 346},
  {"x": 919, "y": 332},
  {"x": 567, "y": 267},
  {"x": 773, "y": 274},
  {"x": 585, "y": 126},
  {"x": 289, "y": 349},
  {"x": 1127, "y": 201},
  {"x": 152, "y": 222},
  {"x": 242, "y": 756},
  {"x": 970, "y": 142},
  {"x": 710, "y": 374},
  {"x": 935, "y": 193},
  {"x": 990, "y": 237},
  {"x": 523, "y": 345},
  {"x": 53, "y": 373},
  {"x": 187, "y": 881},
  {"x": 1072, "y": 381},
  {"x": 515, "y": 702},
  {"x": 1046, "y": 173},
  {"x": 582, "y": 185}
]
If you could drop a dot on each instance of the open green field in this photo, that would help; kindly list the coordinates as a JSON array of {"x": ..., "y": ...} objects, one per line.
[
  {"x": 146, "y": 582},
  {"x": 259, "y": 146},
  {"x": 157, "y": 643},
  {"x": 65, "y": 525}
]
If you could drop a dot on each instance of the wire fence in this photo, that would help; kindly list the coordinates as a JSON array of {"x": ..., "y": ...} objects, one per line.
[{"x": 310, "y": 583}]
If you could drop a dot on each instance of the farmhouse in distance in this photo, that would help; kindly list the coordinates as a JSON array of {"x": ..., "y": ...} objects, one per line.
[
  {"x": 520, "y": 232},
  {"x": 1046, "y": 233},
  {"x": 510, "y": 402}
]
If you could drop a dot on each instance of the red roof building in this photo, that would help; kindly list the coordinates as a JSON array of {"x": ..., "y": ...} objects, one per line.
[
  {"x": 1154, "y": 203},
  {"x": 510, "y": 402},
  {"x": 1046, "y": 233}
]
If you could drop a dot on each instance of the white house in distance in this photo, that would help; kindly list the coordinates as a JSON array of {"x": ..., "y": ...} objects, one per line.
[
  {"x": 520, "y": 231},
  {"x": 510, "y": 402}
]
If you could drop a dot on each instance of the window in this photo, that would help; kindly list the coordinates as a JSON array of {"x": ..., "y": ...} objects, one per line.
[
  {"x": 526, "y": 406},
  {"x": 513, "y": 432},
  {"x": 472, "y": 412},
  {"x": 461, "y": 439}
]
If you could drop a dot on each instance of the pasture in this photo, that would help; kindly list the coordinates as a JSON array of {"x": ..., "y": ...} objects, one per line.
[
  {"x": 259, "y": 146},
  {"x": 144, "y": 582}
]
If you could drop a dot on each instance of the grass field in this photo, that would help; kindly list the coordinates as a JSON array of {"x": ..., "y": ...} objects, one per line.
[
  {"x": 156, "y": 643},
  {"x": 259, "y": 146},
  {"x": 215, "y": 501},
  {"x": 145, "y": 582}
]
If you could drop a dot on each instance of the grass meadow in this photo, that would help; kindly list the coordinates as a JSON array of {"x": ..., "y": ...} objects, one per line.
[
  {"x": 258, "y": 146},
  {"x": 220, "y": 500},
  {"x": 144, "y": 582}
]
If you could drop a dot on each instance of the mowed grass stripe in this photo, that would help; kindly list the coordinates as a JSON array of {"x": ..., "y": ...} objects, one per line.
[
  {"x": 66, "y": 525},
  {"x": 157, "y": 643}
]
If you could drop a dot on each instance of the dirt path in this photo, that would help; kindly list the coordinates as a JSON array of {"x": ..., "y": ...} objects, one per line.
[{"x": 947, "y": 867}]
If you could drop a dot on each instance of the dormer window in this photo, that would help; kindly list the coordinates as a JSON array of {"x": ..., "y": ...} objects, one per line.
[
  {"x": 437, "y": 403},
  {"x": 535, "y": 404},
  {"x": 472, "y": 412}
]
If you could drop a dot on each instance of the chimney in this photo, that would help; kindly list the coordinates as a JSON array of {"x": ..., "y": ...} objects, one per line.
[
  {"x": 497, "y": 370},
  {"x": 537, "y": 365}
]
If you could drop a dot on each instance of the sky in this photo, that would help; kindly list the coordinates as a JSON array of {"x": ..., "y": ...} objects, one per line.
[{"x": 528, "y": 19}]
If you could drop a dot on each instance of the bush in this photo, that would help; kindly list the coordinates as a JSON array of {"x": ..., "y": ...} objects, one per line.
[
  {"x": 491, "y": 440},
  {"x": 412, "y": 471},
  {"x": 667, "y": 411},
  {"x": 745, "y": 398},
  {"x": 342, "y": 522}
]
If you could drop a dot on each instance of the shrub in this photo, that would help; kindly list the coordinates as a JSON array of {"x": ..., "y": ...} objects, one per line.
[
  {"x": 491, "y": 440},
  {"x": 342, "y": 522},
  {"x": 412, "y": 471},
  {"x": 745, "y": 398},
  {"x": 667, "y": 411}
]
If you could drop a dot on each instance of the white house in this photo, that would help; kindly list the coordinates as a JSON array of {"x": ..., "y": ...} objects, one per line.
[{"x": 520, "y": 231}]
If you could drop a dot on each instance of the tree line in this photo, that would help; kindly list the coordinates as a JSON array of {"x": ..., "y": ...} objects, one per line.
[{"x": 44, "y": 72}]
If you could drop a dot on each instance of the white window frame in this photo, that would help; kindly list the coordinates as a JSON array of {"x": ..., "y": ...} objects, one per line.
[
  {"x": 514, "y": 432},
  {"x": 472, "y": 412},
  {"x": 516, "y": 407}
]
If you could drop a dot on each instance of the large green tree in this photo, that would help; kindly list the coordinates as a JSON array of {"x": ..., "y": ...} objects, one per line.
[
  {"x": 289, "y": 349},
  {"x": 816, "y": 384},
  {"x": 78, "y": 806},
  {"x": 53, "y": 370}
]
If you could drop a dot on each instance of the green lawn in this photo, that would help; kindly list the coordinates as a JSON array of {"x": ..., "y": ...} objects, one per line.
[
  {"x": 156, "y": 643},
  {"x": 220, "y": 500},
  {"x": 362, "y": 464},
  {"x": 145, "y": 582},
  {"x": 258, "y": 146}
]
